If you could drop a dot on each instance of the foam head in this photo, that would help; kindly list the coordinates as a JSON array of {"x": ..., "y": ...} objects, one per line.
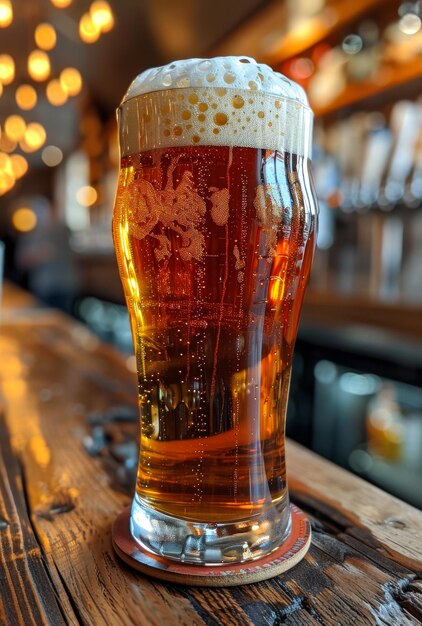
[{"x": 222, "y": 101}]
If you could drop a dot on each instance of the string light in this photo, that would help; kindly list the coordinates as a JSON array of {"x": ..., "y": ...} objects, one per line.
[
  {"x": 6, "y": 13},
  {"x": 34, "y": 138},
  {"x": 26, "y": 97},
  {"x": 86, "y": 195},
  {"x": 71, "y": 81},
  {"x": 61, "y": 4},
  {"x": 45, "y": 36},
  {"x": 7, "y": 69},
  {"x": 56, "y": 95},
  {"x": 19, "y": 165},
  {"x": 6, "y": 144},
  {"x": 15, "y": 127},
  {"x": 88, "y": 31},
  {"x": 24, "y": 219},
  {"x": 101, "y": 15},
  {"x": 38, "y": 65},
  {"x": 7, "y": 179},
  {"x": 52, "y": 156}
]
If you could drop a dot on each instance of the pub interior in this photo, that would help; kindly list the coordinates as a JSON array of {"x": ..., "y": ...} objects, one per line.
[
  {"x": 356, "y": 394},
  {"x": 356, "y": 391}
]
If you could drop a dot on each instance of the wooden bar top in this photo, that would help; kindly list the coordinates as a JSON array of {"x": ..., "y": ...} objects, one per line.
[{"x": 67, "y": 423}]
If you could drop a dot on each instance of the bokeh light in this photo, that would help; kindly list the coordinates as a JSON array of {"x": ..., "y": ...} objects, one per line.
[
  {"x": 52, "y": 156},
  {"x": 61, "y": 4},
  {"x": 7, "y": 69},
  {"x": 39, "y": 65},
  {"x": 102, "y": 15},
  {"x": 88, "y": 31},
  {"x": 7, "y": 178},
  {"x": 45, "y": 36},
  {"x": 55, "y": 93},
  {"x": 24, "y": 219},
  {"x": 26, "y": 97},
  {"x": 410, "y": 24},
  {"x": 86, "y": 195},
  {"x": 71, "y": 81},
  {"x": 15, "y": 127},
  {"x": 34, "y": 138},
  {"x": 6, "y": 13},
  {"x": 7, "y": 144},
  {"x": 19, "y": 165}
]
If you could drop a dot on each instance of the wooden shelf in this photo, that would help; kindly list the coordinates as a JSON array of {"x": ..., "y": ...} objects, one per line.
[
  {"x": 332, "y": 309},
  {"x": 385, "y": 82},
  {"x": 336, "y": 16},
  {"x": 266, "y": 37}
]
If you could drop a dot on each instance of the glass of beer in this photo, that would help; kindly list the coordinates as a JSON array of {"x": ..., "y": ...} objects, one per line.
[{"x": 214, "y": 228}]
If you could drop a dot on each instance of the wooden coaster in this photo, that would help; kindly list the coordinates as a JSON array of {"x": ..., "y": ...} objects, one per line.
[{"x": 285, "y": 557}]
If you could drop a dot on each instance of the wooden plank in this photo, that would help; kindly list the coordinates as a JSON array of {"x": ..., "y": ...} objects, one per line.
[
  {"x": 395, "y": 526},
  {"x": 53, "y": 376},
  {"x": 27, "y": 595}
]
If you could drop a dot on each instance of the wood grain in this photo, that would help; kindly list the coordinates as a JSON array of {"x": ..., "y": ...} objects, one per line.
[{"x": 362, "y": 568}]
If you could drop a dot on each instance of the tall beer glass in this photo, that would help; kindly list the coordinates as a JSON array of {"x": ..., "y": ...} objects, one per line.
[{"x": 214, "y": 229}]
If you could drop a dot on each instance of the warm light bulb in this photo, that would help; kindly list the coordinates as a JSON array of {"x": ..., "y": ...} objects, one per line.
[
  {"x": 34, "y": 138},
  {"x": 56, "y": 95},
  {"x": 24, "y": 219},
  {"x": 45, "y": 36},
  {"x": 7, "y": 178},
  {"x": 7, "y": 69},
  {"x": 410, "y": 24},
  {"x": 26, "y": 97},
  {"x": 71, "y": 81},
  {"x": 88, "y": 31},
  {"x": 61, "y": 4},
  {"x": 15, "y": 127},
  {"x": 6, "y": 13},
  {"x": 101, "y": 15},
  {"x": 86, "y": 195},
  {"x": 52, "y": 156},
  {"x": 5, "y": 163},
  {"x": 6, "y": 144},
  {"x": 38, "y": 65},
  {"x": 19, "y": 165},
  {"x": 7, "y": 181}
]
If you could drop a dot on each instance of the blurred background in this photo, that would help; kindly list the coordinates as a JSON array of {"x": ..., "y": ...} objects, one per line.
[{"x": 65, "y": 64}]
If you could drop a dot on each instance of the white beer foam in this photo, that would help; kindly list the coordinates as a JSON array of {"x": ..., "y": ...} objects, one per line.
[{"x": 226, "y": 101}]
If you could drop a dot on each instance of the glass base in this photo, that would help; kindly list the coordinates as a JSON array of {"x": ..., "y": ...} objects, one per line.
[{"x": 209, "y": 543}]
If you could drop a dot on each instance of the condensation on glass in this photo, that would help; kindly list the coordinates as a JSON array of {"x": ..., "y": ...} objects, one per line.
[{"x": 214, "y": 229}]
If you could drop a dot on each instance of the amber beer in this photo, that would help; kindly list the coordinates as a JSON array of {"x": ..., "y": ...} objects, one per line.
[{"x": 214, "y": 229}]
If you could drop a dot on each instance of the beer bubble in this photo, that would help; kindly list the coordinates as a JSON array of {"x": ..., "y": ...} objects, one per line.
[
  {"x": 193, "y": 98},
  {"x": 204, "y": 65},
  {"x": 203, "y": 106},
  {"x": 201, "y": 117},
  {"x": 167, "y": 80},
  {"x": 229, "y": 77},
  {"x": 210, "y": 78},
  {"x": 220, "y": 119},
  {"x": 186, "y": 115},
  {"x": 238, "y": 102},
  {"x": 252, "y": 85},
  {"x": 261, "y": 114},
  {"x": 221, "y": 91}
]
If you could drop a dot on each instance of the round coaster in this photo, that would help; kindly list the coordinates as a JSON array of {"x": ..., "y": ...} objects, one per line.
[{"x": 285, "y": 557}]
